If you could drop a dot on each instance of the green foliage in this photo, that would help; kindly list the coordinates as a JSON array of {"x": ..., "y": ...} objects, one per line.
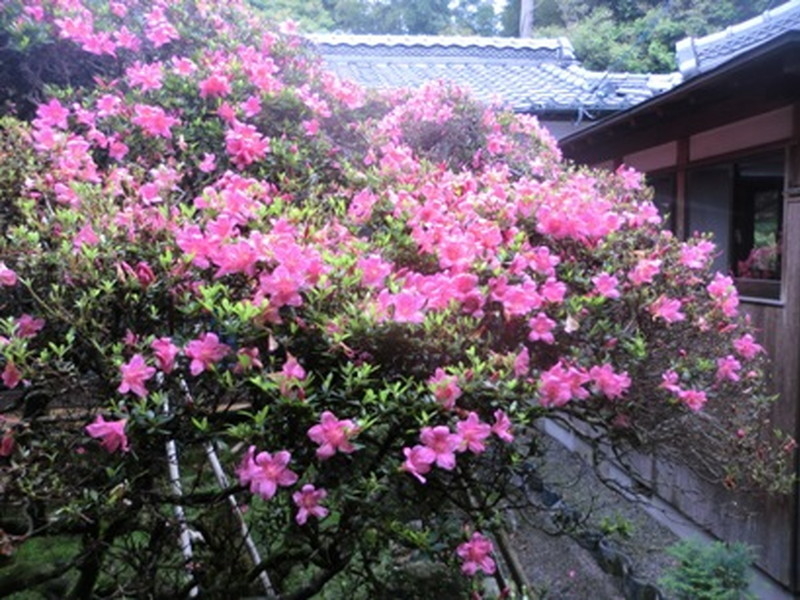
[
  {"x": 310, "y": 15},
  {"x": 716, "y": 571},
  {"x": 406, "y": 17},
  {"x": 628, "y": 35},
  {"x": 617, "y": 525}
]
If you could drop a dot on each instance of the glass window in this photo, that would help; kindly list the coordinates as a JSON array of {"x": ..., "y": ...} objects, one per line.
[
  {"x": 664, "y": 197},
  {"x": 741, "y": 203}
]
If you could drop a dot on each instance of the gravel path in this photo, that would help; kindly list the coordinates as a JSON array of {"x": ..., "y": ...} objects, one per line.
[{"x": 573, "y": 498}]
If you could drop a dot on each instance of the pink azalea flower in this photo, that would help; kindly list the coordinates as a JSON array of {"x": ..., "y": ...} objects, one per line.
[
  {"x": 126, "y": 39},
  {"x": 694, "y": 399},
  {"x": 215, "y": 85},
  {"x": 245, "y": 144},
  {"x": 27, "y": 326},
  {"x": 7, "y": 276},
  {"x": 612, "y": 385},
  {"x": 183, "y": 66},
  {"x": 265, "y": 472},
  {"x": 85, "y": 237},
  {"x": 165, "y": 352},
  {"x": 144, "y": 274},
  {"x": 445, "y": 388},
  {"x": 360, "y": 209},
  {"x": 668, "y": 309},
  {"x": 153, "y": 120},
  {"x": 134, "y": 374},
  {"x": 473, "y": 432},
  {"x": 443, "y": 443},
  {"x": 7, "y": 445},
  {"x": 502, "y": 426},
  {"x": 728, "y": 368},
  {"x": 543, "y": 262},
  {"x": 227, "y": 113},
  {"x": 283, "y": 287},
  {"x": 333, "y": 434},
  {"x": 644, "y": 271},
  {"x": 293, "y": 369},
  {"x": 720, "y": 286},
  {"x": 554, "y": 290},
  {"x": 251, "y": 107},
  {"x": 119, "y": 9},
  {"x": 606, "y": 285},
  {"x": 11, "y": 375},
  {"x": 117, "y": 149},
  {"x": 146, "y": 76},
  {"x": 541, "y": 328},
  {"x": 374, "y": 270},
  {"x": 722, "y": 290},
  {"x": 307, "y": 501},
  {"x": 247, "y": 359},
  {"x": 561, "y": 384},
  {"x": 522, "y": 362},
  {"x": 475, "y": 555},
  {"x": 208, "y": 163},
  {"x": 159, "y": 30},
  {"x": 419, "y": 460},
  {"x": 746, "y": 346},
  {"x": 204, "y": 352},
  {"x": 52, "y": 114},
  {"x": 669, "y": 381},
  {"x": 696, "y": 256},
  {"x": 110, "y": 433},
  {"x": 630, "y": 177},
  {"x": 408, "y": 307},
  {"x": 517, "y": 299}
]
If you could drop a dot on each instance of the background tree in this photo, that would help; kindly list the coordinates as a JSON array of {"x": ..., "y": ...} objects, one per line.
[
  {"x": 401, "y": 17},
  {"x": 629, "y": 35},
  {"x": 310, "y": 15}
]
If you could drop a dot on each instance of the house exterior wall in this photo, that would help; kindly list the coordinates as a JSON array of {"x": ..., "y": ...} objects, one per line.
[{"x": 769, "y": 523}]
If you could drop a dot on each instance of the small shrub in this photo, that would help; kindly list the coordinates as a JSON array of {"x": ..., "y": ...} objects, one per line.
[{"x": 716, "y": 571}]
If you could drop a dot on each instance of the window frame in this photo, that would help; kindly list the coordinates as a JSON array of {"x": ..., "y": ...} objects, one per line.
[{"x": 757, "y": 291}]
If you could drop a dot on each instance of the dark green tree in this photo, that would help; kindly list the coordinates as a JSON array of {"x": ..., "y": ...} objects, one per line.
[
  {"x": 311, "y": 15},
  {"x": 630, "y": 35},
  {"x": 412, "y": 17}
]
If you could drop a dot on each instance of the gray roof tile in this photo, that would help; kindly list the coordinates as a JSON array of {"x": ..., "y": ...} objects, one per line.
[{"x": 530, "y": 75}]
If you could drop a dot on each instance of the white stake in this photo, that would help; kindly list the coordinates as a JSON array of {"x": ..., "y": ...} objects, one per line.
[{"x": 180, "y": 515}]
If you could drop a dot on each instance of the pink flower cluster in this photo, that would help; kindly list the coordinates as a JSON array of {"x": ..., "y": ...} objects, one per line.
[
  {"x": 695, "y": 400},
  {"x": 440, "y": 445},
  {"x": 724, "y": 293}
]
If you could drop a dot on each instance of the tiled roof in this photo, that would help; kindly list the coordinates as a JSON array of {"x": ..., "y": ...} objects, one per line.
[
  {"x": 698, "y": 55},
  {"x": 530, "y": 75}
]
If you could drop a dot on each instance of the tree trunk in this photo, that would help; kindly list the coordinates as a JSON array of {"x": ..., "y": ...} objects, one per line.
[{"x": 526, "y": 18}]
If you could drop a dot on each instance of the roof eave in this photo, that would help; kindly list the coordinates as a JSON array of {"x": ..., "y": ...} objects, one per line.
[{"x": 686, "y": 88}]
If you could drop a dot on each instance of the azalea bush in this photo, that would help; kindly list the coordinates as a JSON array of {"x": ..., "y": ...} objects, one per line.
[{"x": 265, "y": 332}]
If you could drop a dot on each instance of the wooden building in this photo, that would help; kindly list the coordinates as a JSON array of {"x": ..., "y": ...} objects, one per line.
[{"x": 722, "y": 150}]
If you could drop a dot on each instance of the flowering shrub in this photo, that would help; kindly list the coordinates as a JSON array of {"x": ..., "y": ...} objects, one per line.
[{"x": 222, "y": 260}]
